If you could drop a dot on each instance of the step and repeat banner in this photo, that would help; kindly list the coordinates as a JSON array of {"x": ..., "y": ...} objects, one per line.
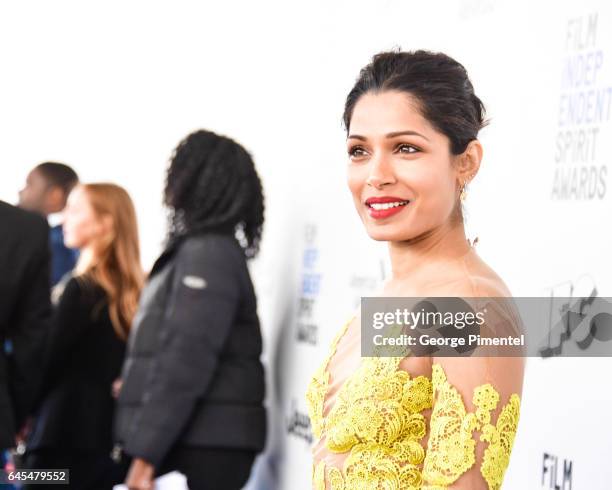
[{"x": 541, "y": 207}]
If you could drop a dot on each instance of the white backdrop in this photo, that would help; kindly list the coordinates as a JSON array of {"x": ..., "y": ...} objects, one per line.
[{"x": 111, "y": 88}]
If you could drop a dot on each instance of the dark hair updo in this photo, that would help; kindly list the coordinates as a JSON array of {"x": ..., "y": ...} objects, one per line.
[
  {"x": 212, "y": 185},
  {"x": 439, "y": 84}
]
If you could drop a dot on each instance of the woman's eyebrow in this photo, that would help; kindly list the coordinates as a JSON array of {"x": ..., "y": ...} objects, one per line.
[
  {"x": 356, "y": 137},
  {"x": 390, "y": 135},
  {"x": 407, "y": 132}
]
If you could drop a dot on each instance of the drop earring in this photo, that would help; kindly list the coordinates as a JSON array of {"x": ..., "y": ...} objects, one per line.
[{"x": 463, "y": 194}]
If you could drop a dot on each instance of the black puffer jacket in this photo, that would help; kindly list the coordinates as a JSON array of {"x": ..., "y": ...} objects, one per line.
[{"x": 193, "y": 373}]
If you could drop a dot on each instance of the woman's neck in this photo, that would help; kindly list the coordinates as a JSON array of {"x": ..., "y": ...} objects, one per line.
[
  {"x": 442, "y": 244},
  {"x": 87, "y": 259}
]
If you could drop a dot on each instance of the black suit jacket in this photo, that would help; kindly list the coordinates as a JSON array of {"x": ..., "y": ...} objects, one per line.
[{"x": 24, "y": 308}]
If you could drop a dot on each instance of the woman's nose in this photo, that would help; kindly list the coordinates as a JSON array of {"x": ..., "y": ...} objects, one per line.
[{"x": 381, "y": 172}]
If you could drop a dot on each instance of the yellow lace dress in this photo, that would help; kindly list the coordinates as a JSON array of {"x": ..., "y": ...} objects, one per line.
[{"x": 371, "y": 433}]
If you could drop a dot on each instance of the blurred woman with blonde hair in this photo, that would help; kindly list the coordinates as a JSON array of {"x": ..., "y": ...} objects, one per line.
[{"x": 87, "y": 339}]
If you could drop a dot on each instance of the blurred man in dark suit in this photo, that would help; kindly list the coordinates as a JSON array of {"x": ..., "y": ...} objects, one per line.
[
  {"x": 46, "y": 191},
  {"x": 24, "y": 310}
]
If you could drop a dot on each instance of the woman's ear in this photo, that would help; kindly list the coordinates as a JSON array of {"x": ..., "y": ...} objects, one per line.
[
  {"x": 107, "y": 221},
  {"x": 468, "y": 162},
  {"x": 108, "y": 225}
]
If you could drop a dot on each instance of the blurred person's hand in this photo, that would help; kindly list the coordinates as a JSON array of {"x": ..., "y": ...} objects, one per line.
[
  {"x": 116, "y": 387},
  {"x": 24, "y": 432},
  {"x": 140, "y": 475}
]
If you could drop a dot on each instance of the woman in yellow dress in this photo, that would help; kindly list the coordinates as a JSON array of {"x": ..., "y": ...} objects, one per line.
[{"x": 415, "y": 422}]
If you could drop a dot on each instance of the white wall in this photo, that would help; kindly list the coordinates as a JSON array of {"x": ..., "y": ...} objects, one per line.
[{"x": 110, "y": 89}]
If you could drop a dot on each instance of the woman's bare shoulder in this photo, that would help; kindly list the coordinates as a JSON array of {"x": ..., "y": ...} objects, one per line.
[{"x": 481, "y": 280}]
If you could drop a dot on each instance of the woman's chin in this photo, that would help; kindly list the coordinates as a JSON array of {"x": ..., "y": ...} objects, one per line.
[
  {"x": 70, "y": 242},
  {"x": 387, "y": 233}
]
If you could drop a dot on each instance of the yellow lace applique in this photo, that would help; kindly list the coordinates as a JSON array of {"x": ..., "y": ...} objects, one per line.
[
  {"x": 336, "y": 481},
  {"x": 376, "y": 416},
  {"x": 315, "y": 394},
  {"x": 501, "y": 440},
  {"x": 379, "y": 404},
  {"x": 451, "y": 447},
  {"x": 318, "y": 475},
  {"x": 375, "y": 466},
  {"x": 377, "y": 420}
]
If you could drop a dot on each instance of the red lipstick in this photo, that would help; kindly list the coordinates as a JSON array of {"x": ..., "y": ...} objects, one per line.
[{"x": 386, "y": 206}]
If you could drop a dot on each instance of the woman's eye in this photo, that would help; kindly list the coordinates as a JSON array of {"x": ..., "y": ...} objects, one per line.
[
  {"x": 356, "y": 152},
  {"x": 404, "y": 148}
]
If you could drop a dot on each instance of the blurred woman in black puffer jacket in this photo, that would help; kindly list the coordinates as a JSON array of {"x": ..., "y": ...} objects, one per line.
[{"x": 193, "y": 384}]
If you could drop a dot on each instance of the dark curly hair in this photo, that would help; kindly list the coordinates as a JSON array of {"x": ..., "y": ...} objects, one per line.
[
  {"x": 439, "y": 84},
  {"x": 212, "y": 185}
]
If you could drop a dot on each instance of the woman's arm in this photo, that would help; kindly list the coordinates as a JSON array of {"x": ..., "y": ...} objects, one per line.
[{"x": 473, "y": 421}]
